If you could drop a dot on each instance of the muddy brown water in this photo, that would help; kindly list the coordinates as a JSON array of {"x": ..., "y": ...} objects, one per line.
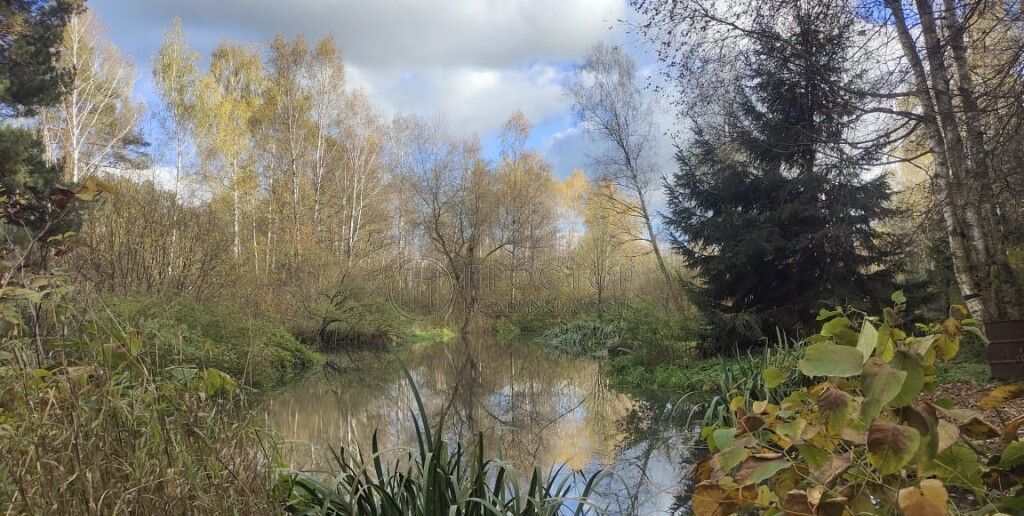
[{"x": 532, "y": 408}]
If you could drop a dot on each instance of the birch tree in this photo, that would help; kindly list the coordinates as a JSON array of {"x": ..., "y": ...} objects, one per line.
[
  {"x": 95, "y": 124},
  {"x": 287, "y": 129},
  {"x": 527, "y": 207},
  {"x": 228, "y": 97},
  {"x": 610, "y": 100},
  {"x": 324, "y": 84},
  {"x": 963, "y": 179},
  {"x": 602, "y": 249},
  {"x": 360, "y": 181},
  {"x": 176, "y": 76}
]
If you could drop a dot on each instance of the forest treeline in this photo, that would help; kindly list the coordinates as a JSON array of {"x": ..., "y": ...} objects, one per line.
[
  {"x": 272, "y": 182},
  {"x": 833, "y": 153}
]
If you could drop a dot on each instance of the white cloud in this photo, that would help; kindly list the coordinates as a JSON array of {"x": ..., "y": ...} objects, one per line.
[
  {"x": 474, "y": 100},
  {"x": 474, "y": 60},
  {"x": 191, "y": 190},
  {"x": 390, "y": 33}
]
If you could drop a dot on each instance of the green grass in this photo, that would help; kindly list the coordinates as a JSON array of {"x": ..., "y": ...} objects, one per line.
[
  {"x": 713, "y": 375},
  {"x": 970, "y": 365},
  {"x": 585, "y": 337},
  {"x": 259, "y": 354},
  {"x": 123, "y": 435},
  {"x": 708, "y": 385},
  {"x": 525, "y": 326},
  {"x": 437, "y": 478},
  {"x": 425, "y": 335}
]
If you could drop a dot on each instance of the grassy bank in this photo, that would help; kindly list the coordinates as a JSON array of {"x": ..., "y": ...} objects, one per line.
[
  {"x": 257, "y": 353},
  {"x": 650, "y": 353},
  {"x": 140, "y": 405}
]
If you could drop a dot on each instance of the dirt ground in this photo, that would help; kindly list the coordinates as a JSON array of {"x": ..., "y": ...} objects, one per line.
[{"x": 967, "y": 395}]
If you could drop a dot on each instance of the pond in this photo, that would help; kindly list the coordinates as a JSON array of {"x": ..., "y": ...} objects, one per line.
[{"x": 531, "y": 407}]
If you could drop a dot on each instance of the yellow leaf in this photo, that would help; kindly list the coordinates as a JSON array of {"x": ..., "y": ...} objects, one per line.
[
  {"x": 978, "y": 428},
  {"x": 759, "y": 407},
  {"x": 711, "y": 500},
  {"x": 929, "y": 499},
  {"x": 737, "y": 403},
  {"x": 1011, "y": 428},
  {"x": 1000, "y": 395}
]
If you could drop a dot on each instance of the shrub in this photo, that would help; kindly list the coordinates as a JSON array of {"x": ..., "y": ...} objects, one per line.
[
  {"x": 969, "y": 365},
  {"x": 586, "y": 337},
  {"x": 861, "y": 439},
  {"x": 653, "y": 337},
  {"x": 352, "y": 316},
  {"x": 526, "y": 326},
  {"x": 260, "y": 354},
  {"x": 709, "y": 384}
]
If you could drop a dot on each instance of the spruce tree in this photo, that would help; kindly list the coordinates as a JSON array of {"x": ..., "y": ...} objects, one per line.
[
  {"x": 771, "y": 205},
  {"x": 30, "y": 199}
]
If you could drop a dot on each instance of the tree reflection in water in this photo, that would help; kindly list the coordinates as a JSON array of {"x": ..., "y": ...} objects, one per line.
[{"x": 532, "y": 408}]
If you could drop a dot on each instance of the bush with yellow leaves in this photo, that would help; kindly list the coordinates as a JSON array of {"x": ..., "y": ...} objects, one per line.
[{"x": 862, "y": 439}]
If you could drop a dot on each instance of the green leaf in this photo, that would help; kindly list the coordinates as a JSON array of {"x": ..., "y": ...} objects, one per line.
[
  {"x": 791, "y": 429},
  {"x": 814, "y": 456},
  {"x": 133, "y": 342},
  {"x": 826, "y": 359},
  {"x": 183, "y": 374},
  {"x": 891, "y": 446},
  {"x": 867, "y": 340},
  {"x": 899, "y": 297},
  {"x": 947, "y": 347},
  {"x": 214, "y": 381},
  {"x": 880, "y": 384},
  {"x": 32, "y": 296},
  {"x": 755, "y": 470},
  {"x": 914, "y": 382},
  {"x": 886, "y": 347},
  {"x": 839, "y": 330},
  {"x": 1013, "y": 455},
  {"x": 722, "y": 438},
  {"x": 825, "y": 314},
  {"x": 773, "y": 377},
  {"x": 957, "y": 465},
  {"x": 727, "y": 459},
  {"x": 835, "y": 326}
]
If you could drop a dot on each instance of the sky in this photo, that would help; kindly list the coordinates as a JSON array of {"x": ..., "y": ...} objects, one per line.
[{"x": 474, "y": 61}]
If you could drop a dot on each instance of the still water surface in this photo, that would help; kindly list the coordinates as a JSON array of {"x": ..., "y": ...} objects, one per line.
[{"x": 531, "y": 407}]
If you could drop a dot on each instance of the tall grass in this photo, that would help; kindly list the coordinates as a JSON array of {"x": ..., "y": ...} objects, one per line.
[
  {"x": 93, "y": 439},
  {"x": 436, "y": 478},
  {"x": 742, "y": 377},
  {"x": 129, "y": 411}
]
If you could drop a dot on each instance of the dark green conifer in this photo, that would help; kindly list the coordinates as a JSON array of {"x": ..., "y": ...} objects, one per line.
[{"x": 774, "y": 205}]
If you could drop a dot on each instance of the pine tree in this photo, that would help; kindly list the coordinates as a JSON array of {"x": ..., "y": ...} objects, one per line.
[
  {"x": 769, "y": 206},
  {"x": 29, "y": 31},
  {"x": 29, "y": 79}
]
